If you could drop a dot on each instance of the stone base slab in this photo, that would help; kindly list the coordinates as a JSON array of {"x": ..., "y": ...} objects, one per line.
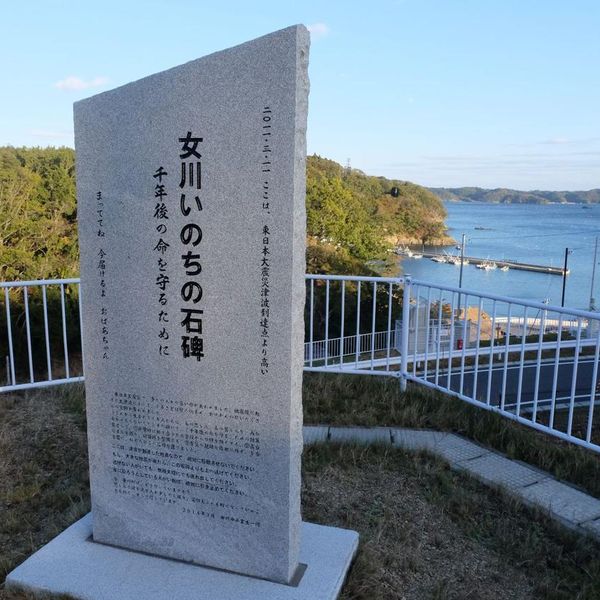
[{"x": 73, "y": 564}]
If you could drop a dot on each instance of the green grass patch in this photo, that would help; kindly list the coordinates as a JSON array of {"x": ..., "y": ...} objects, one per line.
[{"x": 363, "y": 400}]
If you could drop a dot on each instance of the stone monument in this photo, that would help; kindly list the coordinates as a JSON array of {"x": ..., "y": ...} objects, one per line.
[{"x": 191, "y": 191}]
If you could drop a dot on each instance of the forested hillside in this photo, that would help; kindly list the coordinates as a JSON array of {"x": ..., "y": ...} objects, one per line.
[
  {"x": 507, "y": 196},
  {"x": 38, "y": 216},
  {"x": 351, "y": 217}
]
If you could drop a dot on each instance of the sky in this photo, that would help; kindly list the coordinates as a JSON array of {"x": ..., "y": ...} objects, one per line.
[{"x": 448, "y": 93}]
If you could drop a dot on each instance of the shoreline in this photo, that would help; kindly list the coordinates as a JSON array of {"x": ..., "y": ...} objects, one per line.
[{"x": 418, "y": 244}]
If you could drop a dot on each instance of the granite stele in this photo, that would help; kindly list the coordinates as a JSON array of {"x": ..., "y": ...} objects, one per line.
[{"x": 191, "y": 190}]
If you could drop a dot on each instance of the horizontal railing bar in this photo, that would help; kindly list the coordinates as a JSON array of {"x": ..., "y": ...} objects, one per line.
[
  {"x": 398, "y": 280},
  {"x": 38, "y": 282},
  {"x": 336, "y": 369},
  {"x": 40, "y": 384},
  {"x": 511, "y": 300}
]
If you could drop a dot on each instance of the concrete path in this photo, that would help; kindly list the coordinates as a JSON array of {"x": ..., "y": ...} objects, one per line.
[{"x": 534, "y": 487}]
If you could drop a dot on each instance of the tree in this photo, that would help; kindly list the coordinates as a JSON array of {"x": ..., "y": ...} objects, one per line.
[{"x": 38, "y": 232}]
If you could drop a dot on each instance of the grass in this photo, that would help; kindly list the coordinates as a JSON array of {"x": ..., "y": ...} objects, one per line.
[
  {"x": 342, "y": 399},
  {"x": 43, "y": 470},
  {"x": 426, "y": 531}
]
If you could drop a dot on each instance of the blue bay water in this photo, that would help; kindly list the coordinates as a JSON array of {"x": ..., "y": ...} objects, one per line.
[{"x": 527, "y": 233}]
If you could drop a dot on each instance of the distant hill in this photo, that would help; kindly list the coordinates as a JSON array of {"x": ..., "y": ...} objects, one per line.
[{"x": 506, "y": 196}]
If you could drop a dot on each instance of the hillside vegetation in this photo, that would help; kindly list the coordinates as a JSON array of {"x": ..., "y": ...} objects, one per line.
[
  {"x": 351, "y": 217},
  {"x": 506, "y": 196},
  {"x": 38, "y": 216}
]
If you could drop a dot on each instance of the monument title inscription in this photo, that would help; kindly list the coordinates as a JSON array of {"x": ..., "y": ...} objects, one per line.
[{"x": 191, "y": 209}]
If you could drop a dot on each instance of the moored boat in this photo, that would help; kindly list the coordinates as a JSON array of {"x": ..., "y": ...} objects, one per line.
[{"x": 487, "y": 265}]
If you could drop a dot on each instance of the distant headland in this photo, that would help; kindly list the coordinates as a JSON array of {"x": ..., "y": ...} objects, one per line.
[{"x": 508, "y": 196}]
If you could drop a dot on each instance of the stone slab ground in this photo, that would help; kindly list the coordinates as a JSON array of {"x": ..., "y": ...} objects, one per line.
[{"x": 73, "y": 564}]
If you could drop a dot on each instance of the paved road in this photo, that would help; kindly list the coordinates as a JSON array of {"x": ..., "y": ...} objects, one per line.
[{"x": 583, "y": 382}]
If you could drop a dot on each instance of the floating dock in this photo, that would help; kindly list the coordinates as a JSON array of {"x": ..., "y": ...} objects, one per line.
[{"x": 511, "y": 264}]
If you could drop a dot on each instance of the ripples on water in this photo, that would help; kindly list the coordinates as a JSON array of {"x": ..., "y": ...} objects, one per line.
[{"x": 536, "y": 234}]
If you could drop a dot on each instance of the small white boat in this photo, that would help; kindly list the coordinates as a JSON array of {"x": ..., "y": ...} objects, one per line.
[
  {"x": 404, "y": 251},
  {"x": 487, "y": 265},
  {"x": 439, "y": 258},
  {"x": 456, "y": 260},
  {"x": 505, "y": 268},
  {"x": 415, "y": 256}
]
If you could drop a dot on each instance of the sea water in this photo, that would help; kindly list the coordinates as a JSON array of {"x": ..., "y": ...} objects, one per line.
[{"x": 535, "y": 234}]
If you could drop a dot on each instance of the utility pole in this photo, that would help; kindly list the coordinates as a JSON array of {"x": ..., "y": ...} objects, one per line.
[
  {"x": 592, "y": 301},
  {"x": 462, "y": 259},
  {"x": 348, "y": 169},
  {"x": 564, "y": 285},
  {"x": 544, "y": 316},
  {"x": 460, "y": 276}
]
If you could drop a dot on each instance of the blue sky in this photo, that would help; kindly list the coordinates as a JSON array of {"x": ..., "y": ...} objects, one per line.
[{"x": 493, "y": 93}]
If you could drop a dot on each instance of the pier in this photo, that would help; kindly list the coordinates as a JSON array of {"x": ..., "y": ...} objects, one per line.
[{"x": 511, "y": 264}]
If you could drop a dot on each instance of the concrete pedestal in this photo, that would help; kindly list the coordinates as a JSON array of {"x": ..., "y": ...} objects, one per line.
[{"x": 73, "y": 564}]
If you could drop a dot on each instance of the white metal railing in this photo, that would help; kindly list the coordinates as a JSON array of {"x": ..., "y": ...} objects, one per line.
[
  {"x": 533, "y": 363},
  {"x": 539, "y": 365},
  {"x": 348, "y": 320},
  {"x": 336, "y": 348},
  {"x": 38, "y": 352}
]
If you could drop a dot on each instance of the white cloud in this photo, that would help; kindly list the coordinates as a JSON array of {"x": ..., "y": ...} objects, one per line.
[
  {"x": 563, "y": 140},
  {"x": 557, "y": 141},
  {"x": 318, "y": 30},
  {"x": 71, "y": 83}
]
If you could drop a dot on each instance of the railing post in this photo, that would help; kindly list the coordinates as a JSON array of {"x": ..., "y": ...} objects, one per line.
[
  {"x": 404, "y": 333},
  {"x": 80, "y": 322}
]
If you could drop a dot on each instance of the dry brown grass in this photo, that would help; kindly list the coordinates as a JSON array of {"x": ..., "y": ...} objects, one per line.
[
  {"x": 43, "y": 470},
  {"x": 426, "y": 532}
]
